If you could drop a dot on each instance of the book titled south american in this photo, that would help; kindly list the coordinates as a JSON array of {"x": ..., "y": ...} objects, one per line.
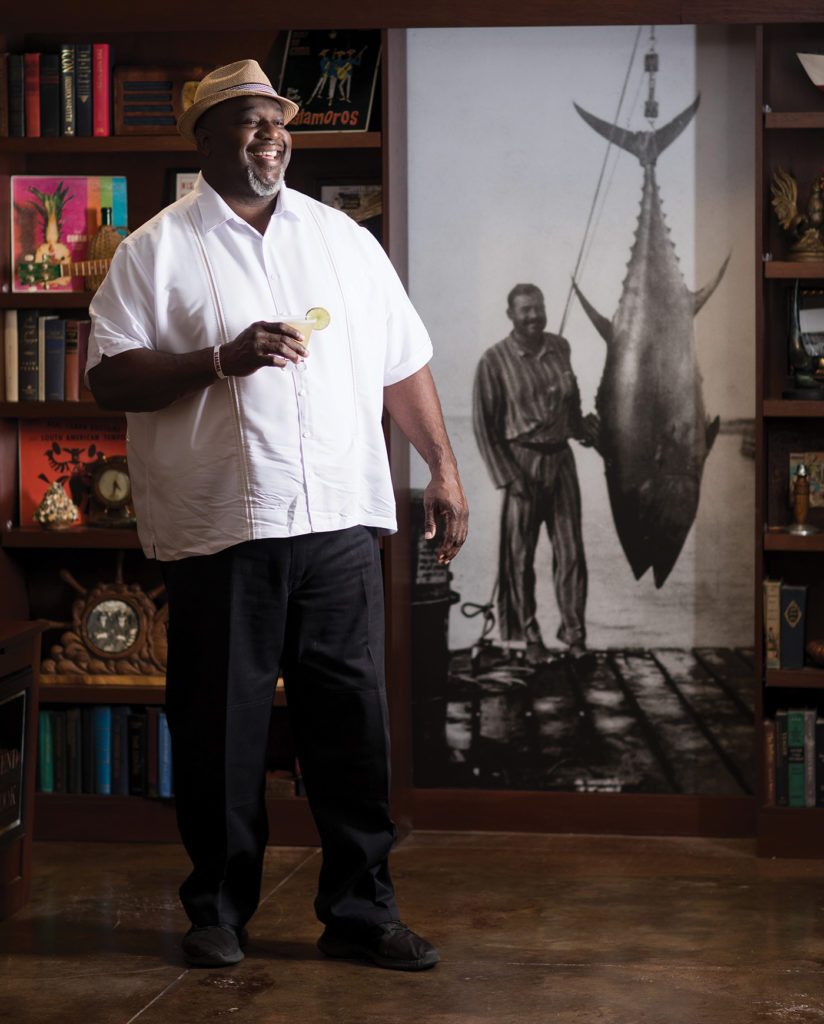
[
  {"x": 64, "y": 451},
  {"x": 52, "y": 219}
]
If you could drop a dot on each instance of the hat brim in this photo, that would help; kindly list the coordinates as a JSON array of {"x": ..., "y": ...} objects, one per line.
[{"x": 187, "y": 121}]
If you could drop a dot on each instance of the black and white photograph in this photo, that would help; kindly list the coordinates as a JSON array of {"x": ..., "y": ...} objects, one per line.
[{"x": 592, "y": 332}]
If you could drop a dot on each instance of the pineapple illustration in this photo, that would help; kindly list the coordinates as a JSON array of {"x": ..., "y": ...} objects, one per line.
[{"x": 49, "y": 206}]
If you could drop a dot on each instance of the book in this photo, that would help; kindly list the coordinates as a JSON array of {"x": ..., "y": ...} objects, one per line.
[
  {"x": 68, "y": 109},
  {"x": 55, "y": 359},
  {"x": 101, "y": 90},
  {"x": 49, "y": 95},
  {"x": 16, "y": 89},
  {"x": 84, "y": 328},
  {"x": 42, "y": 321},
  {"x": 87, "y": 747},
  {"x": 71, "y": 370},
  {"x": 53, "y": 217},
  {"x": 31, "y": 62},
  {"x": 781, "y": 755},
  {"x": 332, "y": 76},
  {"x": 74, "y": 751},
  {"x": 83, "y": 88},
  {"x": 164, "y": 756},
  {"x": 45, "y": 764},
  {"x": 59, "y": 750},
  {"x": 64, "y": 451},
  {"x": 120, "y": 749},
  {"x": 772, "y": 623},
  {"x": 819, "y": 762},
  {"x": 793, "y": 624},
  {"x": 809, "y": 757},
  {"x": 10, "y": 344},
  {"x": 28, "y": 354},
  {"x": 795, "y": 758},
  {"x": 152, "y": 735},
  {"x": 138, "y": 742},
  {"x": 102, "y": 725},
  {"x": 768, "y": 734}
]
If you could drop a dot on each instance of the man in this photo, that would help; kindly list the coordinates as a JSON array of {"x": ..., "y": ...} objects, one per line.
[
  {"x": 261, "y": 483},
  {"x": 526, "y": 406}
]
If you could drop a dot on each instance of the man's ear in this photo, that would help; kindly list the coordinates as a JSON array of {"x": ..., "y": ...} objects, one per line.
[
  {"x": 203, "y": 138},
  {"x": 509, "y": 312}
]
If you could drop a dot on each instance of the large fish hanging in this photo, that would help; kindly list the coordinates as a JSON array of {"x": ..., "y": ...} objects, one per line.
[{"x": 655, "y": 436}]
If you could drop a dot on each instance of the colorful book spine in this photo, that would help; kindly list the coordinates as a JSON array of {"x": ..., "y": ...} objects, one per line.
[
  {"x": 83, "y": 88},
  {"x": 10, "y": 345},
  {"x": 70, "y": 370},
  {"x": 102, "y": 726},
  {"x": 45, "y": 752},
  {"x": 772, "y": 623},
  {"x": 164, "y": 756},
  {"x": 28, "y": 354},
  {"x": 68, "y": 90},
  {"x": 809, "y": 757},
  {"x": 793, "y": 624},
  {"x": 781, "y": 759},
  {"x": 42, "y": 322},
  {"x": 50, "y": 95},
  {"x": 31, "y": 62},
  {"x": 84, "y": 328},
  {"x": 16, "y": 88},
  {"x": 138, "y": 724},
  {"x": 55, "y": 359},
  {"x": 101, "y": 89}
]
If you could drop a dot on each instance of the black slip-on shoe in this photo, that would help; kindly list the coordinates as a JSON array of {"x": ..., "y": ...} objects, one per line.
[
  {"x": 391, "y": 945},
  {"x": 214, "y": 945}
]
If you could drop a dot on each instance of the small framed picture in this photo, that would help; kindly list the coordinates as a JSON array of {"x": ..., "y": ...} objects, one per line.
[
  {"x": 178, "y": 183},
  {"x": 361, "y": 200}
]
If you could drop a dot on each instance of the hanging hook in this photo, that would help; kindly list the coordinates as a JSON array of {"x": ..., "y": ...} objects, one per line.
[{"x": 651, "y": 68}]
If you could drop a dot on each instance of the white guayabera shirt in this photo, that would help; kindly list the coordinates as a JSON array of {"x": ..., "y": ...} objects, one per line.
[{"x": 283, "y": 451}]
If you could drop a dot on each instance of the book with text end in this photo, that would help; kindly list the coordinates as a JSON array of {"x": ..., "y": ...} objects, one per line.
[
  {"x": 59, "y": 758},
  {"x": 768, "y": 734},
  {"x": 120, "y": 750},
  {"x": 138, "y": 741},
  {"x": 102, "y": 726},
  {"x": 83, "y": 88},
  {"x": 28, "y": 355},
  {"x": 71, "y": 373},
  {"x": 10, "y": 355},
  {"x": 55, "y": 359},
  {"x": 101, "y": 89},
  {"x": 164, "y": 756},
  {"x": 793, "y": 625},
  {"x": 796, "y": 764},
  {"x": 84, "y": 328},
  {"x": 772, "y": 623},
  {"x": 68, "y": 88},
  {"x": 4, "y": 94},
  {"x": 74, "y": 751},
  {"x": 42, "y": 323},
  {"x": 781, "y": 755},
  {"x": 45, "y": 752}
]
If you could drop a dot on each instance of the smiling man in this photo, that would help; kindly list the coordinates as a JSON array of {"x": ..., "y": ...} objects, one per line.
[
  {"x": 526, "y": 407},
  {"x": 261, "y": 484}
]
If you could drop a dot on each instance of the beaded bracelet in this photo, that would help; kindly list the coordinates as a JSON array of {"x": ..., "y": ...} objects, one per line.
[{"x": 216, "y": 362}]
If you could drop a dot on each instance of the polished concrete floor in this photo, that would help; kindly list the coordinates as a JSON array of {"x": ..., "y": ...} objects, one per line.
[{"x": 583, "y": 929}]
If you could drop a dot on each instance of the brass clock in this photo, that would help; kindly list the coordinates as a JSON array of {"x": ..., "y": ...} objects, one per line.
[{"x": 110, "y": 502}]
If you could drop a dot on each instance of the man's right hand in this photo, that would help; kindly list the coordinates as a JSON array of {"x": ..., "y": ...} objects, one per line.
[{"x": 262, "y": 344}]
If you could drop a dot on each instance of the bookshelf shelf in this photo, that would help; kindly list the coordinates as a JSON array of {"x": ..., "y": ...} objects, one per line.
[
  {"x": 113, "y": 690},
  {"x": 805, "y": 678},
  {"x": 794, "y": 119},
  {"x": 782, "y": 541},
  {"x": 73, "y": 537},
  {"x": 787, "y": 270},
  {"x": 173, "y": 144},
  {"x": 53, "y": 410},
  {"x": 774, "y": 408}
]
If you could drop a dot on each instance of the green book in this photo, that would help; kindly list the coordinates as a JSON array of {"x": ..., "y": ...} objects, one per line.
[
  {"x": 795, "y": 758},
  {"x": 45, "y": 753}
]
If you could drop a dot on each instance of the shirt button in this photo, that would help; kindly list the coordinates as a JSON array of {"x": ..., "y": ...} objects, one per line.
[
  {"x": 306, "y": 433},
  {"x": 302, "y": 392}
]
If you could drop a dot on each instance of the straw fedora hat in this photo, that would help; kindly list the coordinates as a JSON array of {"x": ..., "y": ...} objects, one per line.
[{"x": 243, "y": 78}]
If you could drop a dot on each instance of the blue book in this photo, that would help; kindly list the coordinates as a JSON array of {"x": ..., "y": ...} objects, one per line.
[
  {"x": 793, "y": 625},
  {"x": 102, "y": 729},
  {"x": 54, "y": 351},
  {"x": 45, "y": 753},
  {"x": 164, "y": 756}
]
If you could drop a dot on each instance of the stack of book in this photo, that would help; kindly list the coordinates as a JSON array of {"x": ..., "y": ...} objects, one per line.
[
  {"x": 45, "y": 356},
  {"x": 104, "y": 749},
  {"x": 53, "y": 94},
  {"x": 785, "y": 619},
  {"x": 794, "y": 758}
]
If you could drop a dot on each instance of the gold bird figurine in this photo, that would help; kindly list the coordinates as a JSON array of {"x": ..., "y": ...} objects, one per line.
[{"x": 804, "y": 228}]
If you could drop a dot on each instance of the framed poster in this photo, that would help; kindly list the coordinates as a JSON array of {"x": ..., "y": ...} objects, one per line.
[
  {"x": 179, "y": 182},
  {"x": 332, "y": 75},
  {"x": 362, "y": 201}
]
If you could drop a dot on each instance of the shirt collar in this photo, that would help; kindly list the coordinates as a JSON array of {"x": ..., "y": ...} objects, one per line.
[
  {"x": 524, "y": 351},
  {"x": 215, "y": 211}
]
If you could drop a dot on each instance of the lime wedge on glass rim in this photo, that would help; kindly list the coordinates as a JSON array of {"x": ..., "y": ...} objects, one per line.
[{"x": 319, "y": 316}]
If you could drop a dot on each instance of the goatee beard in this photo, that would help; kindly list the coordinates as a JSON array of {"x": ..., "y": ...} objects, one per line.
[{"x": 264, "y": 189}]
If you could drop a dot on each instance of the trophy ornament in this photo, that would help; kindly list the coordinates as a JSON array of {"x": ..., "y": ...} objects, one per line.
[{"x": 803, "y": 227}]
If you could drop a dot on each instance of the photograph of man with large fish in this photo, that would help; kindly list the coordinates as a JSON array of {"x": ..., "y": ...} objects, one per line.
[{"x": 599, "y": 635}]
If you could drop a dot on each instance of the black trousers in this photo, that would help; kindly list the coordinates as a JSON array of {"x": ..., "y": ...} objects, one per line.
[{"x": 311, "y": 606}]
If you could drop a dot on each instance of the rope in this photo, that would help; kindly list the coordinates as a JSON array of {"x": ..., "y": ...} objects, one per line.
[{"x": 600, "y": 182}]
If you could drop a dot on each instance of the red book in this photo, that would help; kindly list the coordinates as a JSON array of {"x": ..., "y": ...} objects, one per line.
[
  {"x": 32, "y": 88},
  {"x": 101, "y": 89}
]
